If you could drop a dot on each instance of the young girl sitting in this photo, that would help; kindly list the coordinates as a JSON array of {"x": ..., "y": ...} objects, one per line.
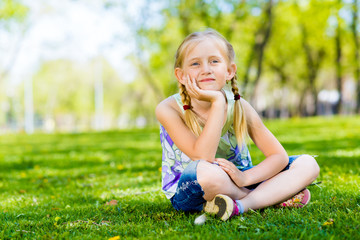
[{"x": 206, "y": 163}]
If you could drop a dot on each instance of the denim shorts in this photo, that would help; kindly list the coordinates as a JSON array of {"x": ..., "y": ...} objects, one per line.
[{"x": 189, "y": 194}]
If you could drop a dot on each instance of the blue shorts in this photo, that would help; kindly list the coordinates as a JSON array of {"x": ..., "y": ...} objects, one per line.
[{"x": 189, "y": 194}]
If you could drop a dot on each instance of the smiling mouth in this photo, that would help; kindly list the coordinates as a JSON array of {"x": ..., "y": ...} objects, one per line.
[{"x": 207, "y": 80}]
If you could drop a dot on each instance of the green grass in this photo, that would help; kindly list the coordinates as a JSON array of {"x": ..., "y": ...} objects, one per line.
[{"x": 57, "y": 186}]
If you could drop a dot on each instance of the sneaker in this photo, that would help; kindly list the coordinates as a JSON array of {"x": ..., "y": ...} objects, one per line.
[
  {"x": 222, "y": 207},
  {"x": 297, "y": 201}
]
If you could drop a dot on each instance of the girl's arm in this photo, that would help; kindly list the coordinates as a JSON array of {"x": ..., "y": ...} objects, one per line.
[
  {"x": 276, "y": 157},
  {"x": 202, "y": 147}
]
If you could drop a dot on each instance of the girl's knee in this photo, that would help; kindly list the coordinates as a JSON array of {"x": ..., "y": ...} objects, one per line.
[
  {"x": 309, "y": 164},
  {"x": 311, "y": 161},
  {"x": 210, "y": 175}
]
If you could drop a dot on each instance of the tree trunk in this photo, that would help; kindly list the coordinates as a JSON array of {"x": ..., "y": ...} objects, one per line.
[
  {"x": 262, "y": 37},
  {"x": 262, "y": 45},
  {"x": 279, "y": 70},
  {"x": 338, "y": 67},
  {"x": 313, "y": 61},
  {"x": 301, "y": 107},
  {"x": 355, "y": 18}
]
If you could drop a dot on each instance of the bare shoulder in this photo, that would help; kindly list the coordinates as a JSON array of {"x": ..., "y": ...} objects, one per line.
[
  {"x": 168, "y": 108},
  {"x": 252, "y": 117}
]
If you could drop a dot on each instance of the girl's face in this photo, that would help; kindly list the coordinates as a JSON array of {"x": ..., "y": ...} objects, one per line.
[{"x": 208, "y": 65}]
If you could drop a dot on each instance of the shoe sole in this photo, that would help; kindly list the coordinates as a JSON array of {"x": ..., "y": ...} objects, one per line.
[{"x": 221, "y": 206}]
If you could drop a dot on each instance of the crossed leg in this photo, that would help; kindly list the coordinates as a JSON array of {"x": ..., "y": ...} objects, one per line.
[{"x": 213, "y": 180}]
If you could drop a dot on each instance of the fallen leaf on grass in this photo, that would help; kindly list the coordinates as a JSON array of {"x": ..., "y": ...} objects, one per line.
[
  {"x": 112, "y": 202},
  {"x": 329, "y": 222}
]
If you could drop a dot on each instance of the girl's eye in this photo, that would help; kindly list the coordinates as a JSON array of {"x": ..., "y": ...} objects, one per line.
[
  {"x": 214, "y": 61},
  {"x": 194, "y": 64}
]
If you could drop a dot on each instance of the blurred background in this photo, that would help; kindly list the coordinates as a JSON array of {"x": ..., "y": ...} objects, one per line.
[{"x": 80, "y": 65}]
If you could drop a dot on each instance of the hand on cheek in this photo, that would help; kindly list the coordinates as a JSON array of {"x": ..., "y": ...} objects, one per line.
[{"x": 196, "y": 92}]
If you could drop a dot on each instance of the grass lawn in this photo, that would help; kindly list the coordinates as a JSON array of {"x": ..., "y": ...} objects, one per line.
[{"x": 104, "y": 185}]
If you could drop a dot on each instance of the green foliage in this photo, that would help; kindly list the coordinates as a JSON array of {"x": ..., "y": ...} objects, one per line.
[
  {"x": 64, "y": 87},
  {"x": 57, "y": 186},
  {"x": 12, "y": 9},
  {"x": 299, "y": 58}
]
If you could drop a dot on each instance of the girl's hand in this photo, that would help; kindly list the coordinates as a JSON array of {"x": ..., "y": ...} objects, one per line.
[
  {"x": 234, "y": 173},
  {"x": 200, "y": 94}
]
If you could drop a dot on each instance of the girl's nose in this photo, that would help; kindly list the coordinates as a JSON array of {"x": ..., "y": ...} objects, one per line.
[{"x": 206, "y": 68}]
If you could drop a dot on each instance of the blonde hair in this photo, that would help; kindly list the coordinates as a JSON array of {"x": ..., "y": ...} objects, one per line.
[{"x": 191, "y": 119}]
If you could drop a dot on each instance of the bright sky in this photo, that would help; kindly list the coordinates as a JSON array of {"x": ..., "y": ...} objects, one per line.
[{"x": 78, "y": 30}]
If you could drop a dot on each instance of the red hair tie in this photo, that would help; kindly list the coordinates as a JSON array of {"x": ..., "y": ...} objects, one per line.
[
  {"x": 186, "y": 107},
  {"x": 237, "y": 97}
]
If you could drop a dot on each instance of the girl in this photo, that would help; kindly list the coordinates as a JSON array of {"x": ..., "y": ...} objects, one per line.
[{"x": 206, "y": 163}]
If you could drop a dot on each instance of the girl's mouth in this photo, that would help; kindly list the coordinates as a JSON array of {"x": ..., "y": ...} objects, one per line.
[{"x": 207, "y": 80}]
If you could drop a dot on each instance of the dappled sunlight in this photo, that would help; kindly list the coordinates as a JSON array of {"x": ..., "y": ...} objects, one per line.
[
  {"x": 345, "y": 153},
  {"x": 111, "y": 181}
]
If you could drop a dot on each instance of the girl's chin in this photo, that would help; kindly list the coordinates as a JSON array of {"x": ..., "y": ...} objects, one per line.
[{"x": 213, "y": 88}]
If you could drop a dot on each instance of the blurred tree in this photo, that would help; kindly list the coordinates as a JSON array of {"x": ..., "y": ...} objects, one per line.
[
  {"x": 354, "y": 30},
  {"x": 339, "y": 56},
  {"x": 64, "y": 91},
  {"x": 312, "y": 23},
  {"x": 115, "y": 90},
  {"x": 12, "y": 12},
  {"x": 279, "y": 44},
  {"x": 283, "y": 57},
  {"x": 12, "y": 16},
  {"x": 60, "y": 88},
  {"x": 261, "y": 39}
]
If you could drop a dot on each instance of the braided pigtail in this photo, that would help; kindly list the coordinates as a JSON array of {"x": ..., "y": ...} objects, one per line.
[
  {"x": 240, "y": 124},
  {"x": 190, "y": 118}
]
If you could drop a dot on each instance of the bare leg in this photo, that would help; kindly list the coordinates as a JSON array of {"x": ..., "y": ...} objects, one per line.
[
  {"x": 303, "y": 171},
  {"x": 214, "y": 180}
]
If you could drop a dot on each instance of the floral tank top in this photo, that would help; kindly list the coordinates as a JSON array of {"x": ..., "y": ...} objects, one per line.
[{"x": 174, "y": 161}]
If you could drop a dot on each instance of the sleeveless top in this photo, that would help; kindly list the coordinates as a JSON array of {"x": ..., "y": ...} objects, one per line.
[{"x": 174, "y": 161}]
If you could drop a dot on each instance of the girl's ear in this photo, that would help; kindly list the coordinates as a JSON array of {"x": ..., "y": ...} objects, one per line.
[
  {"x": 231, "y": 71},
  {"x": 180, "y": 76}
]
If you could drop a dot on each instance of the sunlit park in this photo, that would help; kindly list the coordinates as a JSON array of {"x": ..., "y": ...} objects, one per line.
[{"x": 80, "y": 151}]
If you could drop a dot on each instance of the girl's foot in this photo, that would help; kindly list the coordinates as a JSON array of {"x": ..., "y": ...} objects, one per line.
[
  {"x": 222, "y": 207},
  {"x": 297, "y": 201}
]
